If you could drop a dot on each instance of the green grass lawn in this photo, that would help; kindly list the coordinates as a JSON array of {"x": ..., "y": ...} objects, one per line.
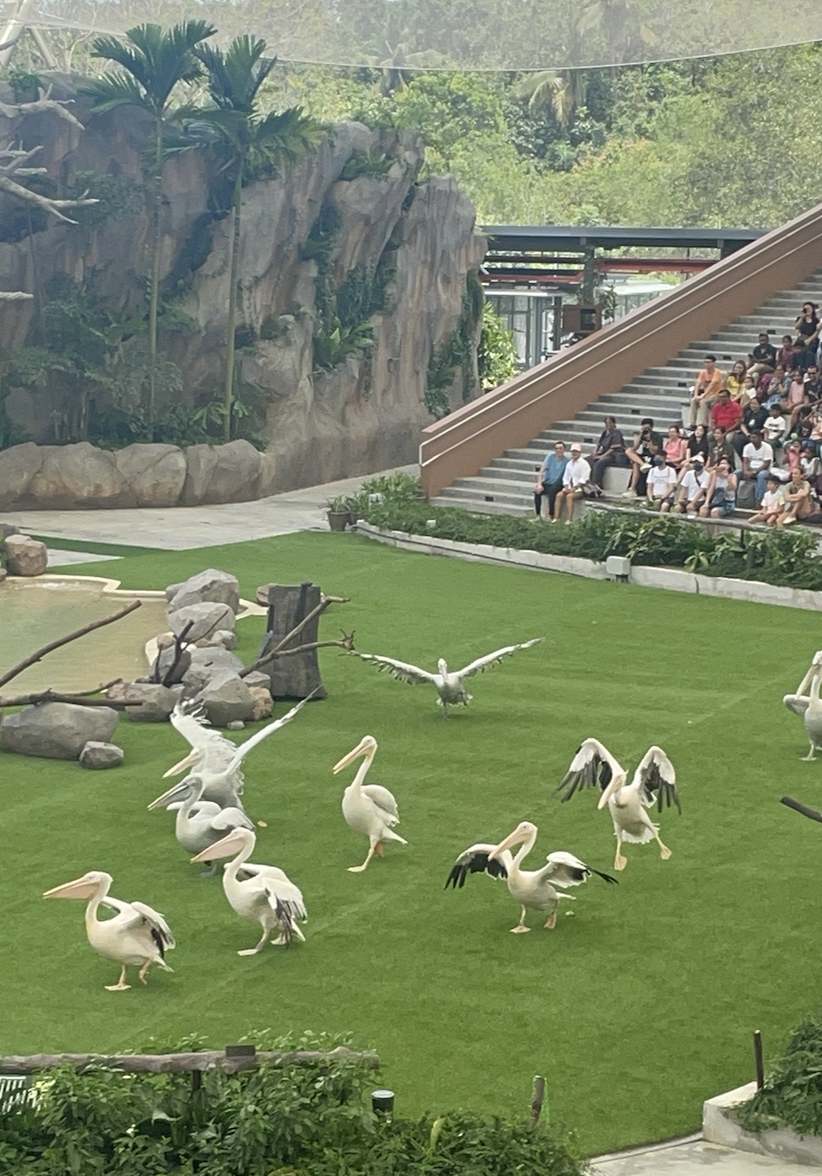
[{"x": 635, "y": 1009}]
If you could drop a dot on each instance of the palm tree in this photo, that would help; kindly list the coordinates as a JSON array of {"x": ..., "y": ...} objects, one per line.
[
  {"x": 563, "y": 90},
  {"x": 248, "y": 145},
  {"x": 153, "y": 61}
]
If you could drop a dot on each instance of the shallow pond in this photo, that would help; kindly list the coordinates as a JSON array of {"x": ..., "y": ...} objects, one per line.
[{"x": 36, "y": 612}]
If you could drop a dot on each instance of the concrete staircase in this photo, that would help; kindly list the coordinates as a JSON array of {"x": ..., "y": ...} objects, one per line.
[{"x": 506, "y": 485}]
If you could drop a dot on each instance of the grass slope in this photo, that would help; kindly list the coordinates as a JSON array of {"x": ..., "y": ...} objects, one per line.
[{"x": 635, "y": 1009}]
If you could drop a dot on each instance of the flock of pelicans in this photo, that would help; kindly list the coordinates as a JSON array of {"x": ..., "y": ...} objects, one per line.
[{"x": 211, "y": 824}]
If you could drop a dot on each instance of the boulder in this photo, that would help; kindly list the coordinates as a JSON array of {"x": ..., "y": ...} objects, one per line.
[
  {"x": 78, "y": 476},
  {"x": 155, "y": 474},
  {"x": 207, "y": 619},
  {"x": 207, "y": 664},
  {"x": 18, "y": 466},
  {"x": 229, "y": 473},
  {"x": 210, "y": 585},
  {"x": 25, "y": 556},
  {"x": 156, "y": 701},
  {"x": 56, "y": 730},
  {"x": 226, "y": 638},
  {"x": 225, "y": 699},
  {"x": 258, "y": 678},
  {"x": 263, "y": 702},
  {"x": 97, "y": 756},
  {"x": 7, "y": 529}
]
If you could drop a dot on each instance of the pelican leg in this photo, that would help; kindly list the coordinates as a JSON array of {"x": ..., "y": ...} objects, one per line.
[
  {"x": 210, "y": 873},
  {"x": 811, "y": 756},
  {"x": 552, "y": 921},
  {"x": 520, "y": 927},
  {"x": 121, "y": 985},
  {"x": 359, "y": 869},
  {"x": 379, "y": 850},
  {"x": 253, "y": 950},
  {"x": 143, "y": 973},
  {"x": 620, "y": 862},
  {"x": 664, "y": 852}
]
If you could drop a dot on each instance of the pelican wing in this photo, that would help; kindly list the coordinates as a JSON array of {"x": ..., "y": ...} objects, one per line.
[
  {"x": 592, "y": 765},
  {"x": 192, "y": 725},
  {"x": 798, "y": 703},
  {"x": 160, "y": 930},
  {"x": 564, "y": 869},
  {"x": 242, "y": 751},
  {"x": 230, "y": 818},
  {"x": 491, "y": 659},
  {"x": 402, "y": 670},
  {"x": 383, "y": 799},
  {"x": 475, "y": 860},
  {"x": 250, "y": 870},
  {"x": 657, "y": 780}
]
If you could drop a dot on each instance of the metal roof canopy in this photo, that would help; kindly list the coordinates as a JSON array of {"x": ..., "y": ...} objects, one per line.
[{"x": 577, "y": 238}]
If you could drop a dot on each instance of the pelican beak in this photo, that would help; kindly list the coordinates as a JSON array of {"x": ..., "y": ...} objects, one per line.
[
  {"x": 190, "y": 759},
  {"x": 614, "y": 785},
  {"x": 362, "y": 748},
  {"x": 79, "y": 888},
  {"x": 220, "y": 849},
  {"x": 175, "y": 793},
  {"x": 515, "y": 838}
]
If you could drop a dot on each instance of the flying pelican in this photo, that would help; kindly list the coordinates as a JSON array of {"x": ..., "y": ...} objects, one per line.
[
  {"x": 534, "y": 889},
  {"x": 136, "y": 937},
  {"x": 368, "y": 808},
  {"x": 654, "y": 781},
  {"x": 265, "y": 894},
  {"x": 215, "y": 759},
  {"x": 449, "y": 685},
  {"x": 809, "y": 705},
  {"x": 199, "y": 823}
]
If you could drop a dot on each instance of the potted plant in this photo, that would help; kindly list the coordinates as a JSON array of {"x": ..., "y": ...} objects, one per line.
[{"x": 339, "y": 513}]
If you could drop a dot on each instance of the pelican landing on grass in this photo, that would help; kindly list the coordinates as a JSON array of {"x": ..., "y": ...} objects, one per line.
[
  {"x": 368, "y": 808},
  {"x": 136, "y": 937},
  {"x": 809, "y": 706},
  {"x": 654, "y": 782},
  {"x": 449, "y": 683},
  {"x": 533, "y": 889}
]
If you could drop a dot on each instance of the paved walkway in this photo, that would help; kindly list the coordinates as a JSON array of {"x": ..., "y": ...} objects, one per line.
[{"x": 182, "y": 528}]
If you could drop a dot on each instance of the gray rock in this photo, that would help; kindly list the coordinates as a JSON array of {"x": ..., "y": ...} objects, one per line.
[
  {"x": 235, "y": 725},
  {"x": 3, "y": 574},
  {"x": 226, "y": 699},
  {"x": 72, "y": 476},
  {"x": 161, "y": 667},
  {"x": 155, "y": 474},
  {"x": 226, "y": 638},
  {"x": 18, "y": 466},
  {"x": 156, "y": 701},
  {"x": 258, "y": 678},
  {"x": 56, "y": 730},
  {"x": 97, "y": 756},
  {"x": 7, "y": 529},
  {"x": 207, "y": 619},
  {"x": 230, "y": 473},
  {"x": 25, "y": 556},
  {"x": 207, "y": 664},
  {"x": 263, "y": 702},
  {"x": 210, "y": 585}
]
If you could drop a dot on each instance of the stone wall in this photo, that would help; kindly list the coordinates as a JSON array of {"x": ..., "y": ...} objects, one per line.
[{"x": 362, "y": 416}]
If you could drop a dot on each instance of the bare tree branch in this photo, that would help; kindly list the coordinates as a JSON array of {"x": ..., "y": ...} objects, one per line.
[
  {"x": 45, "y": 104},
  {"x": 15, "y": 167},
  {"x": 279, "y": 650}
]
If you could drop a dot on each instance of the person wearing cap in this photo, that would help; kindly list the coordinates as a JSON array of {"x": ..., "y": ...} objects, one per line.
[
  {"x": 577, "y": 474},
  {"x": 692, "y": 486},
  {"x": 773, "y": 503},
  {"x": 549, "y": 481}
]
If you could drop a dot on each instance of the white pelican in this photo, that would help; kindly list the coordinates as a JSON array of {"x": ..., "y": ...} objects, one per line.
[
  {"x": 654, "y": 781},
  {"x": 533, "y": 889},
  {"x": 265, "y": 894},
  {"x": 215, "y": 759},
  {"x": 809, "y": 705},
  {"x": 199, "y": 823},
  {"x": 449, "y": 684},
  {"x": 368, "y": 808},
  {"x": 136, "y": 937}
]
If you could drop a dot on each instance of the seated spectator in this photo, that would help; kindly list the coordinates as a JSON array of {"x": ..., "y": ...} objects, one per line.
[
  {"x": 721, "y": 493},
  {"x": 807, "y": 328},
  {"x": 773, "y": 503},
  {"x": 757, "y": 458},
  {"x": 813, "y": 384},
  {"x": 763, "y": 356},
  {"x": 775, "y": 427},
  {"x": 792, "y": 457},
  {"x": 661, "y": 481},
  {"x": 810, "y": 465},
  {"x": 690, "y": 491},
  {"x": 799, "y": 502},
  {"x": 675, "y": 447},
  {"x": 735, "y": 379},
  {"x": 698, "y": 442},
  {"x": 610, "y": 450},
  {"x": 549, "y": 479},
  {"x": 727, "y": 414},
  {"x": 801, "y": 430},
  {"x": 709, "y": 384},
  {"x": 785, "y": 354},
  {"x": 773, "y": 385},
  {"x": 748, "y": 392},
  {"x": 646, "y": 444},
  {"x": 577, "y": 474},
  {"x": 815, "y": 435},
  {"x": 795, "y": 397},
  {"x": 720, "y": 447}
]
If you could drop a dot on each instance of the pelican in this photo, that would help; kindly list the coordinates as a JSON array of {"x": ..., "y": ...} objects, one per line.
[
  {"x": 809, "y": 705},
  {"x": 199, "y": 823},
  {"x": 449, "y": 684},
  {"x": 368, "y": 808},
  {"x": 136, "y": 937},
  {"x": 654, "y": 781},
  {"x": 533, "y": 889},
  {"x": 215, "y": 759},
  {"x": 265, "y": 894}
]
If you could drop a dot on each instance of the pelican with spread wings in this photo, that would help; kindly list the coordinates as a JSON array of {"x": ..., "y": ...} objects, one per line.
[
  {"x": 137, "y": 936},
  {"x": 654, "y": 782},
  {"x": 809, "y": 706},
  {"x": 533, "y": 889},
  {"x": 449, "y": 683}
]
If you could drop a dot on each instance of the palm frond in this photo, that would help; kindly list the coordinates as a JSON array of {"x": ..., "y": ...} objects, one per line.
[
  {"x": 154, "y": 59},
  {"x": 113, "y": 90},
  {"x": 236, "y": 75}
]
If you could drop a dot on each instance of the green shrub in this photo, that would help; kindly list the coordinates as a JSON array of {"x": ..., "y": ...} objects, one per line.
[{"x": 792, "y": 1095}]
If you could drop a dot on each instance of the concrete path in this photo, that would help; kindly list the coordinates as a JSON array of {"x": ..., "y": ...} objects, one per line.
[{"x": 695, "y": 1157}]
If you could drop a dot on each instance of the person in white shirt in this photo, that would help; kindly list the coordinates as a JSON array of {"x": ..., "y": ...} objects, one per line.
[
  {"x": 774, "y": 427},
  {"x": 756, "y": 461},
  {"x": 661, "y": 481},
  {"x": 692, "y": 487},
  {"x": 773, "y": 503},
  {"x": 577, "y": 473}
]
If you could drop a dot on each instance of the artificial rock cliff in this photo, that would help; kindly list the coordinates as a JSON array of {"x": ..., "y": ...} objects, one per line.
[{"x": 362, "y": 416}]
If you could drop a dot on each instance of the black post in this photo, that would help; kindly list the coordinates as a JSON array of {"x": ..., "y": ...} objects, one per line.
[
  {"x": 760, "y": 1068},
  {"x": 539, "y": 1098},
  {"x": 382, "y": 1103}
]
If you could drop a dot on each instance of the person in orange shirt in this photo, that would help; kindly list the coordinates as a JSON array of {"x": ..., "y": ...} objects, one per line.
[{"x": 709, "y": 383}]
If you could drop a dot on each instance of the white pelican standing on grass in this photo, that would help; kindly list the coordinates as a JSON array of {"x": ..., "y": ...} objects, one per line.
[
  {"x": 533, "y": 889},
  {"x": 654, "y": 782},
  {"x": 449, "y": 684},
  {"x": 809, "y": 706},
  {"x": 199, "y": 823},
  {"x": 264, "y": 895},
  {"x": 368, "y": 808},
  {"x": 136, "y": 937}
]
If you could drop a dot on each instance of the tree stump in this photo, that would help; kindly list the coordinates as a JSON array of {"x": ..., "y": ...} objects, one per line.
[{"x": 298, "y": 674}]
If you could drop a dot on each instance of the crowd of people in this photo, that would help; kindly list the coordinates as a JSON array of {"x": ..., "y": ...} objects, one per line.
[{"x": 754, "y": 437}]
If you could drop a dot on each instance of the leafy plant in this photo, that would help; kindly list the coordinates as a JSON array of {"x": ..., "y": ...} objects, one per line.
[
  {"x": 331, "y": 348},
  {"x": 363, "y": 163},
  {"x": 496, "y": 355},
  {"x": 792, "y": 1094}
]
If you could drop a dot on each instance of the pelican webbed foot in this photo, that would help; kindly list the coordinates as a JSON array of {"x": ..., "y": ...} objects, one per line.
[
  {"x": 664, "y": 852},
  {"x": 357, "y": 869},
  {"x": 519, "y": 929},
  {"x": 120, "y": 986},
  {"x": 620, "y": 862},
  {"x": 248, "y": 951},
  {"x": 810, "y": 757},
  {"x": 552, "y": 922}
]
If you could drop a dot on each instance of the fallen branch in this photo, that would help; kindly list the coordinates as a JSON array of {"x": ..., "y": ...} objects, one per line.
[
  {"x": 174, "y": 1063},
  {"x": 801, "y": 808},
  {"x": 81, "y": 699},
  {"x": 344, "y": 642},
  {"x": 41, "y": 653}
]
